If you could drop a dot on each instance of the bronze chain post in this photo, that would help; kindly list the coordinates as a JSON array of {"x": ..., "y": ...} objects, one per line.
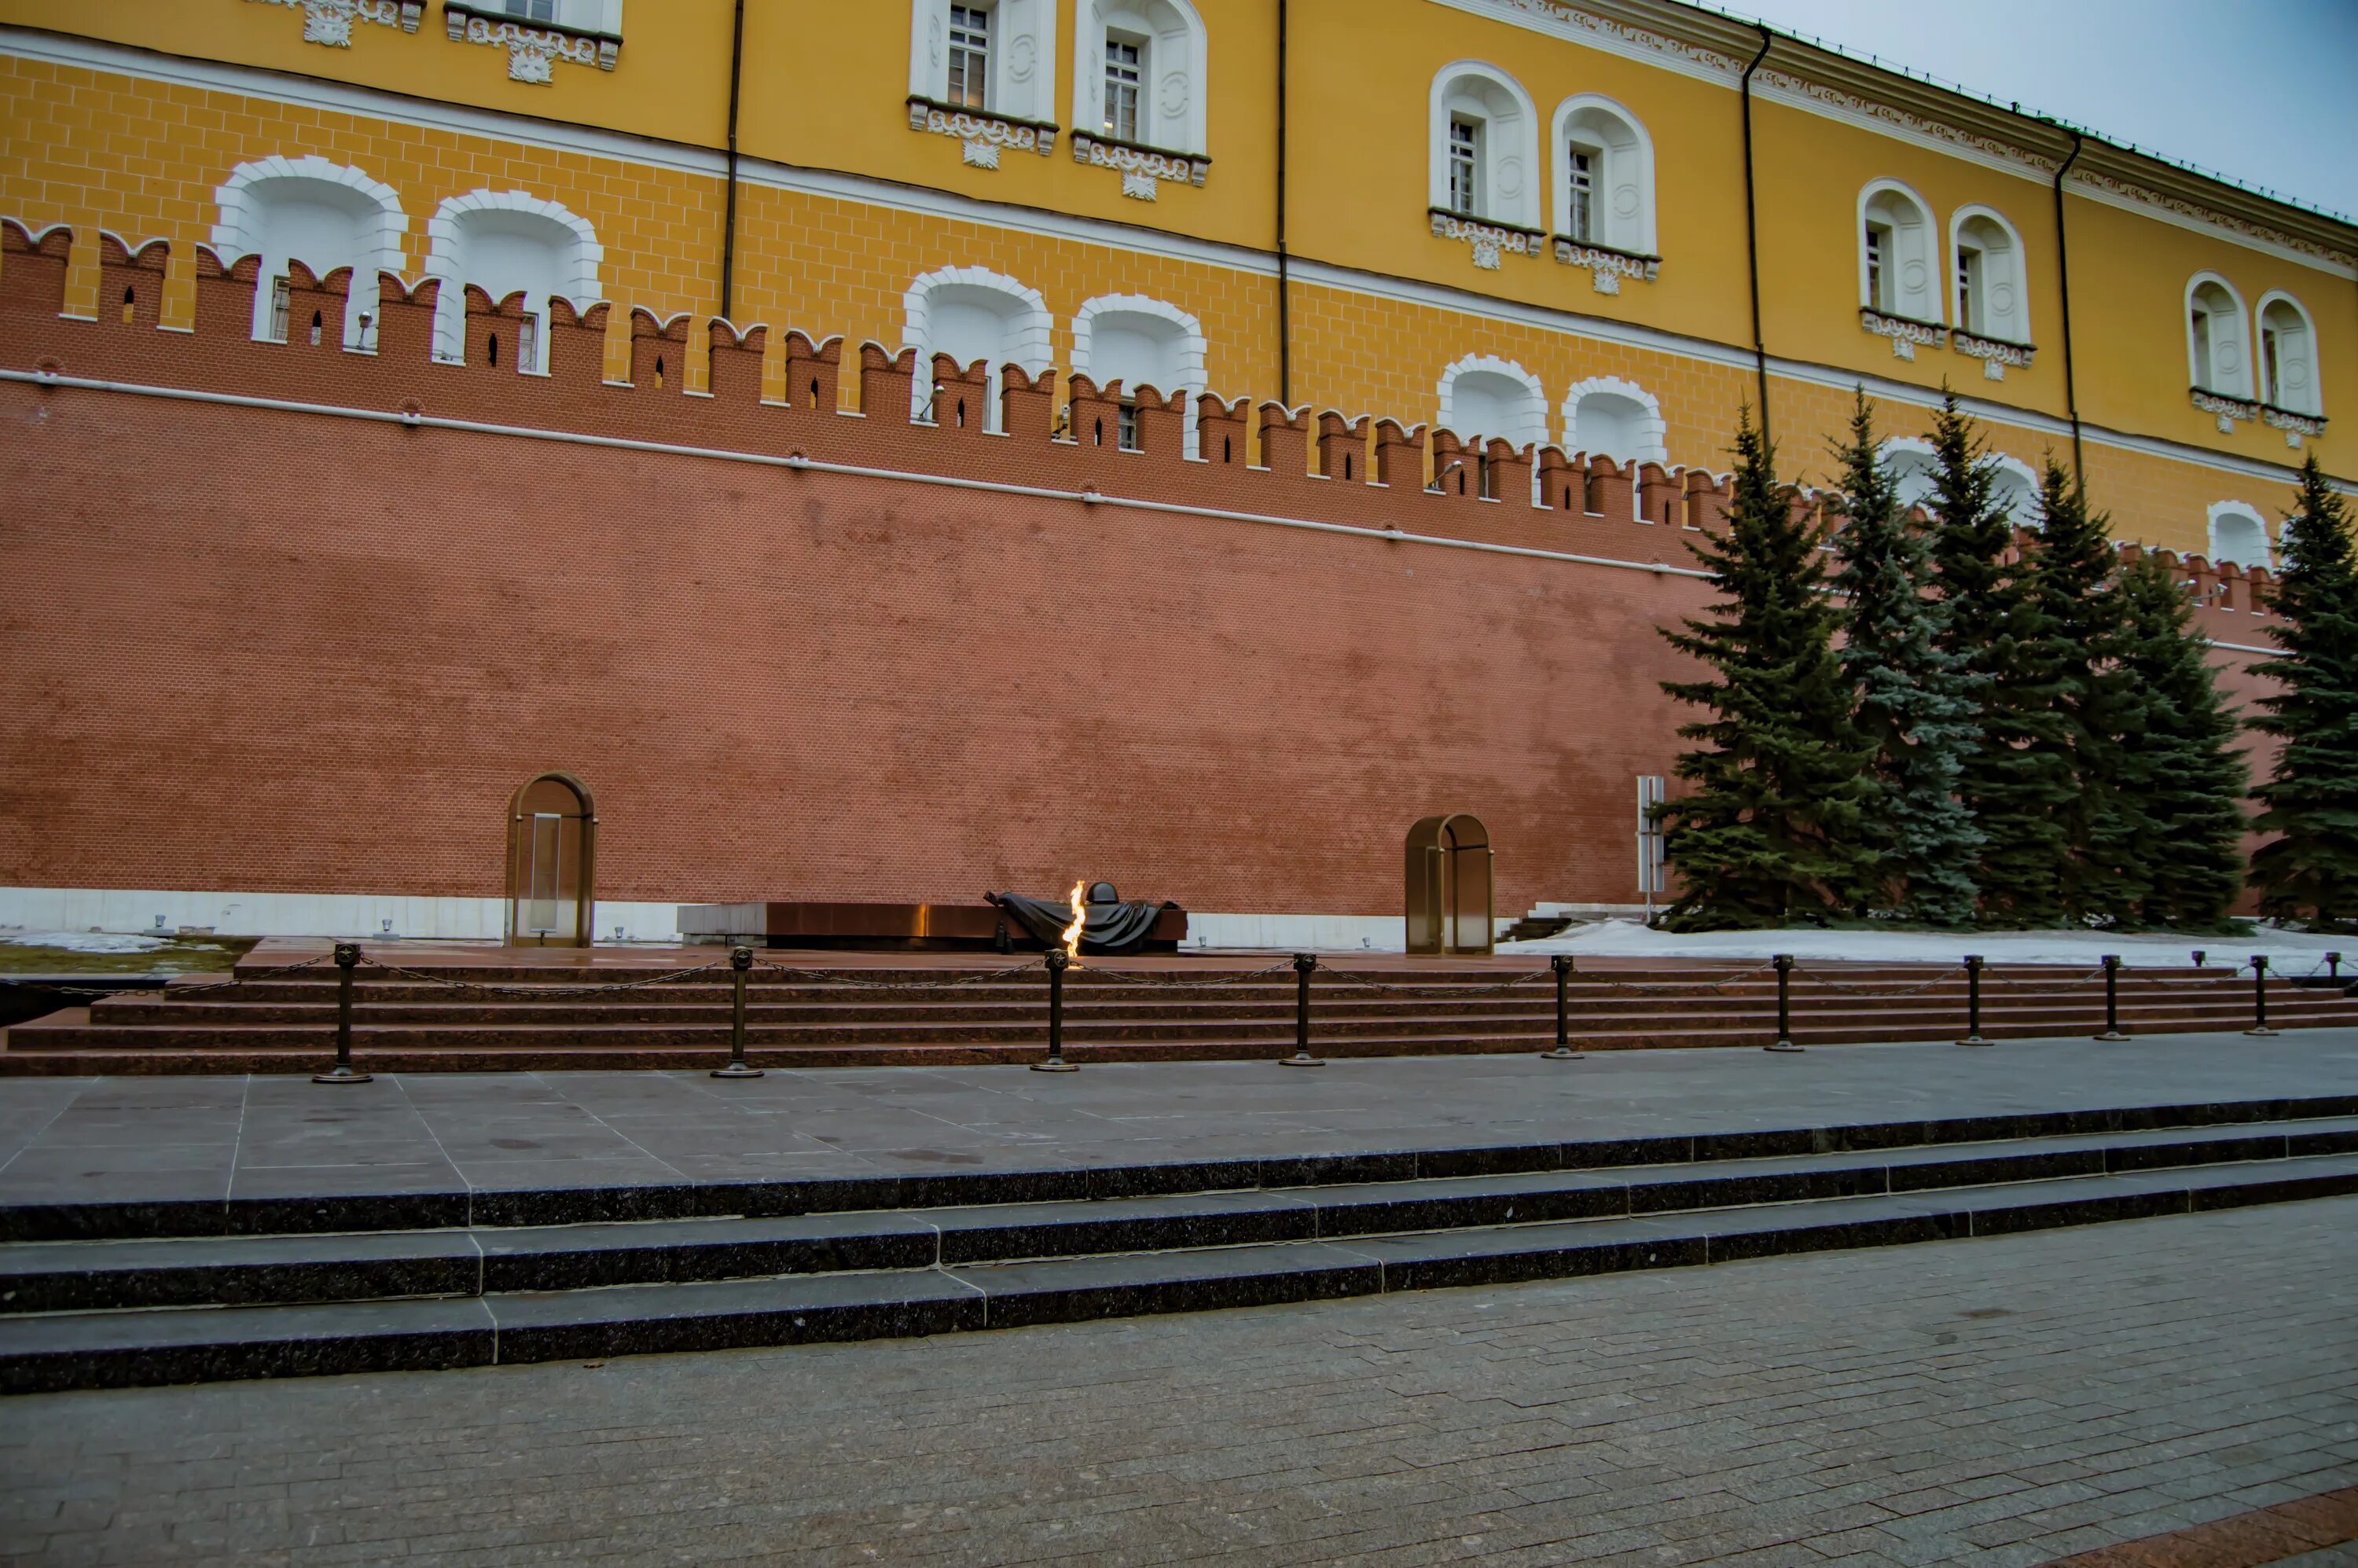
[
  {"x": 2259, "y": 996},
  {"x": 2111, "y": 999},
  {"x": 1058, "y": 961},
  {"x": 1974, "y": 1002},
  {"x": 348, "y": 957},
  {"x": 1784, "y": 1042},
  {"x": 1562, "y": 965},
  {"x": 740, "y": 960},
  {"x": 1303, "y": 964}
]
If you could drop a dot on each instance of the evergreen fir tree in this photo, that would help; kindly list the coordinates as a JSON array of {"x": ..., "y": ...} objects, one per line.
[
  {"x": 2180, "y": 776},
  {"x": 1771, "y": 828},
  {"x": 2095, "y": 707},
  {"x": 2309, "y": 871},
  {"x": 2018, "y": 776},
  {"x": 1915, "y": 717}
]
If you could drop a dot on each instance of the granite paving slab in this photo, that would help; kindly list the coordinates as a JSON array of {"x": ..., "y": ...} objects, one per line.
[{"x": 517, "y": 1131}]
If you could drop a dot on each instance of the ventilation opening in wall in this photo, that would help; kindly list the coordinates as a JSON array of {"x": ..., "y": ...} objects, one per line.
[
  {"x": 315, "y": 325},
  {"x": 1097, "y": 433},
  {"x": 495, "y": 351},
  {"x": 1346, "y": 465},
  {"x": 1126, "y": 427},
  {"x": 961, "y": 413},
  {"x": 129, "y": 300},
  {"x": 1227, "y": 455},
  {"x": 814, "y": 392},
  {"x": 1487, "y": 478},
  {"x": 527, "y": 343},
  {"x": 659, "y": 371}
]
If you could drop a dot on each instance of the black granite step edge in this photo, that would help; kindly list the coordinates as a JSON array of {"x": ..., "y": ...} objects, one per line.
[
  {"x": 459, "y": 1206},
  {"x": 117, "y": 1276},
  {"x": 121, "y": 1350}
]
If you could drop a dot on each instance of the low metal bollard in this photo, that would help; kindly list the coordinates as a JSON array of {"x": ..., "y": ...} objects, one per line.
[
  {"x": 1303, "y": 964},
  {"x": 2200, "y": 954},
  {"x": 2259, "y": 996},
  {"x": 1974, "y": 962},
  {"x": 1784, "y": 1042},
  {"x": 1562, "y": 965},
  {"x": 2111, "y": 998},
  {"x": 348, "y": 957},
  {"x": 2334, "y": 965},
  {"x": 741, "y": 963},
  {"x": 1058, "y": 962}
]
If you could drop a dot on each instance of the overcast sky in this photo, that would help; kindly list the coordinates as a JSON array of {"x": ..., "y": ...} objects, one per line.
[{"x": 2264, "y": 90}]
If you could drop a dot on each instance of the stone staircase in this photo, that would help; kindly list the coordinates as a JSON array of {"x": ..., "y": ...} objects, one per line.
[
  {"x": 97, "y": 1294},
  {"x": 279, "y": 1019}
]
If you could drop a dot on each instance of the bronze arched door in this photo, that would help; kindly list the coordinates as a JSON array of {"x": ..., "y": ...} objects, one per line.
[
  {"x": 1449, "y": 893},
  {"x": 552, "y": 862}
]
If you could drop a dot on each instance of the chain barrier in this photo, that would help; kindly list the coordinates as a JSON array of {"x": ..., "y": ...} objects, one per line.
[
  {"x": 1677, "y": 987},
  {"x": 838, "y": 977},
  {"x": 1870, "y": 994},
  {"x": 1359, "y": 979},
  {"x": 541, "y": 992},
  {"x": 1159, "y": 981}
]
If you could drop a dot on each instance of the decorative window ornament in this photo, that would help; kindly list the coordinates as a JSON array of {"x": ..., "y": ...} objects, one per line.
[
  {"x": 2294, "y": 425},
  {"x": 1904, "y": 333},
  {"x": 2227, "y": 409},
  {"x": 1607, "y": 266},
  {"x": 1143, "y": 169},
  {"x": 1995, "y": 353},
  {"x": 983, "y": 134},
  {"x": 1489, "y": 240},
  {"x": 330, "y": 22},
  {"x": 533, "y": 50}
]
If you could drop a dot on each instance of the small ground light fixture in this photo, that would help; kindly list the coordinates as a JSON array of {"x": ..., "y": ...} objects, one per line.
[
  {"x": 385, "y": 926},
  {"x": 159, "y": 922}
]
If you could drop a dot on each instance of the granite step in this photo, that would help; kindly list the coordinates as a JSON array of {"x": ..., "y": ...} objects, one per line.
[
  {"x": 112, "y": 1349},
  {"x": 80, "y": 1276}
]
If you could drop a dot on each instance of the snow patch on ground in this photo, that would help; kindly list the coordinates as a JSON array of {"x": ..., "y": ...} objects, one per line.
[
  {"x": 85, "y": 941},
  {"x": 2290, "y": 953}
]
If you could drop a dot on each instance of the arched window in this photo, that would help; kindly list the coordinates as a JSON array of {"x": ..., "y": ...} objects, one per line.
[
  {"x": 2014, "y": 484},
  {"x": 1485, "y": 396},
  {"x": 969, "y": 314},
  {"x": 2216, "y": 357},
  {"x": 325, "y": 215},
  {"x": 1484, "y": 143},
  {"x": 1897, "y": 256},
  {"x": 2238, "y": 537},
  {"x": 2287, "y": 355},
  {"x": 1141, "y": 343},
  {"x": 986, "y": 57},
  {"x": 1605, "y": 186},
  {"x": 1616, "y": 418},
  {"x": 1986, "y": 295},
  {"x": 1138, "y": 73},
  {"x": 503, "y": 241}
]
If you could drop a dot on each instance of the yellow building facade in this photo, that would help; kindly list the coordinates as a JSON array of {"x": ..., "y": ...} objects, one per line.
[{"x": 1607, "y": 225}]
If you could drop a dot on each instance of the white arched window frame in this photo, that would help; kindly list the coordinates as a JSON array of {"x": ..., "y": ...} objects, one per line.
[
  {"x": 1112, "y": 333},
  {"x": 1016, "y": 78},
  {"x": 2288, "y": 359},
  {"x": 972, "y": 313},
  {"x": 1504, "y": 166},
  {"x": 1987, "y": 297},
  {"x": 1898, "y": 253},
  {"x": 2237, "y": 535},
  {"x": 1484, "y": 395},
  {"x": 2218, "y": 359},
  {"x": 1619, "y": 181},
  {"x": 1605, "y": 413},
  {"x": 257, "y": 195},
  {"x": 476, "y": 239},
  {"x": 2014, "y": 484},
  {"x": 1165, "y": 59}
]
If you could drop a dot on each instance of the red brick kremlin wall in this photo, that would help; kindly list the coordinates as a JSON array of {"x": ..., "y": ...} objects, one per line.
[{"x": 279, "y": 650}]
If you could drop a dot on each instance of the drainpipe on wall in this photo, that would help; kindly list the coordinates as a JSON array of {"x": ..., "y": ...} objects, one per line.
[
  {"x": 1284, "y": 322},
  {"x": 2063, "y": 274},
  {"x": 1752, "y": 235},
  {"x": 729, "y": 217}
]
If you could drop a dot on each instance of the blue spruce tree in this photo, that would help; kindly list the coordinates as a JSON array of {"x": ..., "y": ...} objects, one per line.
[{"x": 1916, "y": 715}]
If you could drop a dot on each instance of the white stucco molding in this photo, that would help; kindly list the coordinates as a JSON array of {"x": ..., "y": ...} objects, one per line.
[
  {"x": 1533, "y": 434},
  {"x": 1653, "y": 430}
]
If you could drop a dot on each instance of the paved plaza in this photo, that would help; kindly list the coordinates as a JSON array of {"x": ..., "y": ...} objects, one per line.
[
  {"x": 181, "y": 1138},
  {"x": 2004, "y": 1401}
]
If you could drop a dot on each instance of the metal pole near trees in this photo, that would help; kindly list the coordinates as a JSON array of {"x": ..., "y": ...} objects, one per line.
[
  {"x": 1974, "y": 962},
  {"x": 2259, "y": 996},
  {"x": 1562, "y": 965},
  {"x": 1784, "y": 1041},
  {"x": 1303, "y": 964},
  {"x": 2111, "y": 999}
]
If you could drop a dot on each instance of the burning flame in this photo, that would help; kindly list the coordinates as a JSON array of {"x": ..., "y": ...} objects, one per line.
[{"x": 1072, "y": 936}]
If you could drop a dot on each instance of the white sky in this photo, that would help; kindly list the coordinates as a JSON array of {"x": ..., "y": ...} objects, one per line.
[{"x": 2263, "y": 91}]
